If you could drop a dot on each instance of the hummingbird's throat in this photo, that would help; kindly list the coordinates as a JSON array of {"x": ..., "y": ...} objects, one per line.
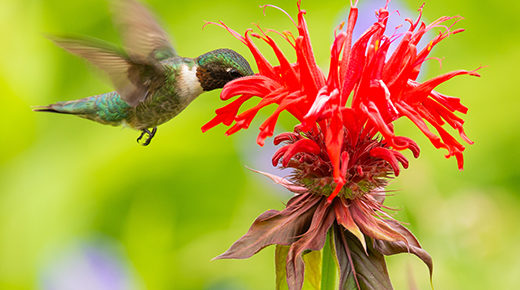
[
  {"x": 211, "y": 79},
  {"x": 188, "y": 83}
]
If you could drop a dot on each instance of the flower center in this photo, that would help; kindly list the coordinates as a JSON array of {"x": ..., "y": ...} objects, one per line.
[
  {"x": 326, "y": 185},
  {"x": 363, "y": 171}
]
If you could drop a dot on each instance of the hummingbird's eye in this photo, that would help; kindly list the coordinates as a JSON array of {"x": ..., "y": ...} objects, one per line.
[{"x": 234, "y": 73}]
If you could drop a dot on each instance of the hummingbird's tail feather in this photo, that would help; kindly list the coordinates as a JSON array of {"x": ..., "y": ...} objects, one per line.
[
  {"x": 51, "y": 109},
  {"x": 106, "y": 108},
  {"x": 75, "y": 107}
]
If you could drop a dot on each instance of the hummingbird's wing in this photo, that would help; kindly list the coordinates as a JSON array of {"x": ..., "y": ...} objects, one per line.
[
  {"x": 134, "y": 81},
  {"x": 142, "y": 34}
]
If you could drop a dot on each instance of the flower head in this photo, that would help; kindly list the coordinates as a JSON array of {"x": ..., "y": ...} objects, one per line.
[
  {"x": 381, "y": 89},
  {"x": 344, "y": 144}
]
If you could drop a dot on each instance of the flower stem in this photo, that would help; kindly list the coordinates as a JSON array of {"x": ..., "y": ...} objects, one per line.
[{"x": 328, "y": 265}]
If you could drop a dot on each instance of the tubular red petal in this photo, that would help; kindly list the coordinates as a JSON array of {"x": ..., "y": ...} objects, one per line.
[
  {"x": 300, "y": 146},
  {"x": 264, "y": 67},
  {"x": 226, "y": 115},
  {"x": 346, "y": 57},
  {"x": 400, "y": 157},
  {"x": 287, "y": 136},
  {"x": 256, "y": 85},
  {"x": 383, "y": 127},
  {"x": 267, "y": 128},
  {"x": 414, "y": 117},
  {"x": 420, "y": 92},
  {"x": 334, "y": 142},
  {"x": 317, "y": 109},
  {"x": 289, "y": 76},
  {"x": 339, "y": 42},
  {"x": 336, "y": 191},
  {"x": 355, "y": 65},
  {"x": 452, "y": 103},
  {"x": 387, "y": 155},
  {"x": 345, "y": 158},
  {"x": 404, "y": 142},
  {"x": 279, "y": 154},
  {"x": 212, "y": 123},
  {"x": 308, "y": 68}
]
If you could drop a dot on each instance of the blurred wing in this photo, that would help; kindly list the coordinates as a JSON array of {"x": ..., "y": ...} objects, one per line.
[
  {"x": 132, "y": 81},
  {"x": 142, "y": 35}
]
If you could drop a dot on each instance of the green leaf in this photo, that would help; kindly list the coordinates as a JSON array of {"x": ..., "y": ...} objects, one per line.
[
  {"x": 313, "y": 268},
  {"x": 312, "y": 262},
  {"x": 280, "y": 260},
  {"x": 328, "y": 278}
]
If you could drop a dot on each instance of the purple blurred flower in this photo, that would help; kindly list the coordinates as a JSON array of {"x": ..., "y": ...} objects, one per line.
[{"x": 97, "y": 265}]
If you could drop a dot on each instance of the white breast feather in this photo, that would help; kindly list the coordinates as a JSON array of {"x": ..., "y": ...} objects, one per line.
[{"x": 188, "y": 86}]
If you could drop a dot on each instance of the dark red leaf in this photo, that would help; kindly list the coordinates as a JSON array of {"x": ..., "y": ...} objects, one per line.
[
  {"x": 357, "y": 269},
  {"x": 275, "y": 227},
  {"x": 313, "y": 239},
  {"x": 412, "y": 246}
]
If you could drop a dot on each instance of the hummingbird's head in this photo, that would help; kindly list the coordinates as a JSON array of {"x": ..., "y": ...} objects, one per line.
[{"x": 218, "y": 67}]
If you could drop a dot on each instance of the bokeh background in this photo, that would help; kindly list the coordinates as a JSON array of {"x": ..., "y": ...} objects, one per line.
[{"x": 82, "y": 206}]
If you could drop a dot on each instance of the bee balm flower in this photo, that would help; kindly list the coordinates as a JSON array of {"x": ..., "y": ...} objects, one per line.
[{"x": 344, "y": 148}]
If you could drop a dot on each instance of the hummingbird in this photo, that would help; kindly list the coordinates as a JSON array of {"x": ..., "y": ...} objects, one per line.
[{"x": 152, "y": 83}]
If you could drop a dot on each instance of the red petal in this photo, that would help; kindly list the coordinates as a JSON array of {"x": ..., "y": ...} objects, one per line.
[
  {"x": 256, "y": 85},
  {"x": 300, "y": 146},
  {"x": 389, "y": 156},
  {"x": 287, "y": 136}
]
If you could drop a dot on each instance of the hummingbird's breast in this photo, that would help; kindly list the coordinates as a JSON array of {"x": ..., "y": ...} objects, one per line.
[{"x": 181, "y": 87}]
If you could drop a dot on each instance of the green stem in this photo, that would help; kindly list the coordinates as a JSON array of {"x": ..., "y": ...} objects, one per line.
[{"x": 328, "y": 265}]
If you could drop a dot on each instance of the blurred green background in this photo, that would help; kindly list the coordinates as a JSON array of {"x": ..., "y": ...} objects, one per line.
[{"x": 82, "y": 206}]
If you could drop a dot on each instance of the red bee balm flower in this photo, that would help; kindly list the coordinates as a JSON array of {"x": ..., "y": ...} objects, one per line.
[{"x": 343, "y": 148}]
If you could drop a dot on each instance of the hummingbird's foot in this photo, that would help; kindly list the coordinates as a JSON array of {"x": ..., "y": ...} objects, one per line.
[{"x": 150, "y": 136}]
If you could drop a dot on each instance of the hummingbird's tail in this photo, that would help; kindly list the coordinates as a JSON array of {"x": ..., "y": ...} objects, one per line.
[
  {"x": 75, "y": 107},
  {"x": 53, "y": 108},
  {"x": 106, "y": 108}
]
